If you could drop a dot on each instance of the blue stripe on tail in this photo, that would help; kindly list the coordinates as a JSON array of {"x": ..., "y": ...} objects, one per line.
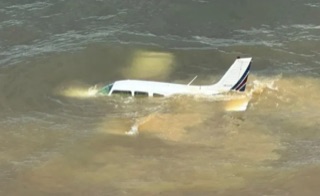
[{"x": 241, "y": 84}]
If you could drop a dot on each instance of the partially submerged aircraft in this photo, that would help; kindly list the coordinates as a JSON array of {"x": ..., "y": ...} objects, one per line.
[{"x": 235, "y": 79}]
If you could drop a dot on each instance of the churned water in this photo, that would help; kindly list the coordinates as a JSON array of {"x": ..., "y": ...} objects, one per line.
[{"x": 58, "y": 138}]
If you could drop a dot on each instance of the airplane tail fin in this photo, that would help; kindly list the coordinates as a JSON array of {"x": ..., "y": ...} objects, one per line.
[{"x": 236, "y": 76}]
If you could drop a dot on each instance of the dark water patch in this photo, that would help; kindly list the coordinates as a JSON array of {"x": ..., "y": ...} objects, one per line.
[{"x": 35, "y": 28}]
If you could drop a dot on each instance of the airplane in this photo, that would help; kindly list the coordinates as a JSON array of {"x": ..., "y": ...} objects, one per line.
[{"x": 235, "y": 79}]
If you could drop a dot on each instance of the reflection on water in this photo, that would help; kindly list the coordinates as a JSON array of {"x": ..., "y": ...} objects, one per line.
[{"x": 148, "y": 64}]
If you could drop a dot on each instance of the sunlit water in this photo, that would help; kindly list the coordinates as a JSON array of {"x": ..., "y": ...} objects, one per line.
[{"x": 57, "y": 137}]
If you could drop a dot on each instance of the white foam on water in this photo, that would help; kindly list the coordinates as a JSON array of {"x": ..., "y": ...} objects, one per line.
[
  {"x": 78, "y": 91},
  {"x": 31, "y": 6},
  {"x": 134, "y": 130},
  {"x": 313, "y": 5}
]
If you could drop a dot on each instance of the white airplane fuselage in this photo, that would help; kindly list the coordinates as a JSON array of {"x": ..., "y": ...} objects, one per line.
[
  {"x": 161, "y": 88},
  {"x": 233, "y": 80}
]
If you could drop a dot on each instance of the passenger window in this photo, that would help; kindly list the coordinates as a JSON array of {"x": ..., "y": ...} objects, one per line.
[
  {"x": 121, "y": 93},
  {"x": 141, "y": 94},
  {"x": 157, "y": 95}
]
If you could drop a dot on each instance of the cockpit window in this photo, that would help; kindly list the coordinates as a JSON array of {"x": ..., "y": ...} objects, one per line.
[{"x": 106, "y": 89}]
